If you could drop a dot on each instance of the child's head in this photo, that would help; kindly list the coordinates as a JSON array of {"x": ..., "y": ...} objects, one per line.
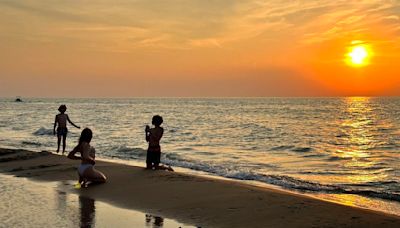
[
  {"x": 86, "y": 136},
  {"x": 157, "y": 120},
  {"x": 62, "y": 108}
]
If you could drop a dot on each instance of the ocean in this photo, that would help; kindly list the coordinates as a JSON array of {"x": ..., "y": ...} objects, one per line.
[{"x": 343, "y": 149}]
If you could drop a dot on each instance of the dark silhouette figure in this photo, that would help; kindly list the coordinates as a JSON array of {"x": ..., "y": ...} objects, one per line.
[
  {"x": 61, "y": 123},
  {"x": 153, "y": 137},
  {"x": 87, "y": 173}
]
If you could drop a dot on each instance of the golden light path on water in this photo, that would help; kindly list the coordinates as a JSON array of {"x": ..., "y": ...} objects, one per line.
[
  {"x": 358, "y": 125},
  {"x": 354, "y": 157},
  {"x": 361, "y": 138},
  {"x": 360, "y": 201}
]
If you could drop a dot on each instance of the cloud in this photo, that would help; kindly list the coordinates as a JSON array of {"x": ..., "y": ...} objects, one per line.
[
  {"x": 192, "y": 24},
  {"x": 205, "y": 43},
  {"x": 181, "y": 21},
  {"x": 391, "y": 17}
]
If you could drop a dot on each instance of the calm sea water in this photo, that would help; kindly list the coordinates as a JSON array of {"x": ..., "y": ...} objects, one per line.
[{"x": 332, "y": 146}]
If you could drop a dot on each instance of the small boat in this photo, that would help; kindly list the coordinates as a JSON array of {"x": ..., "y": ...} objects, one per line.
[{"x": 18, "y": 99}]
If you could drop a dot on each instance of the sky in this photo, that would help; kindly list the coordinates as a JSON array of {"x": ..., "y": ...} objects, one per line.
[{"x": 197, "y": 48}]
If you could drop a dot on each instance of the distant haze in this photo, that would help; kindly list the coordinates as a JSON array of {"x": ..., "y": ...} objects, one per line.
[{"x": 196, "y": 48}]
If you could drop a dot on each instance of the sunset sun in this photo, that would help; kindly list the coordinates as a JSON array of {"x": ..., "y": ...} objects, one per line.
[{"x": 358, "y": 54}]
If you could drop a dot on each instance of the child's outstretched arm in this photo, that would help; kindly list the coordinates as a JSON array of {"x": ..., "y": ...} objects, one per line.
[{"x": 72, "y": 123}]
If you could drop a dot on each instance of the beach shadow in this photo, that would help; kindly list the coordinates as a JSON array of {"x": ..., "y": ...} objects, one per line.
[
  {"x": 154, "y": 221},
  {"x": 87, "y": 212},
  {"x": 61, "y": 197}
]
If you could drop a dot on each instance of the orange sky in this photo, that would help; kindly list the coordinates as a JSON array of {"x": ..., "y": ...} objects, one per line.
[{"x": 196, "y": 48}]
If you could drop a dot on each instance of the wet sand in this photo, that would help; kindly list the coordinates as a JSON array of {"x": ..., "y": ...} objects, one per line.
[
  {"x": 28, "y": 203},
  {"x": 190, "y": 199}
]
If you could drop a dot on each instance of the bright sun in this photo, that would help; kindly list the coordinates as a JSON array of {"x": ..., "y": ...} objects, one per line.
[{"x": 359, "y": 54}]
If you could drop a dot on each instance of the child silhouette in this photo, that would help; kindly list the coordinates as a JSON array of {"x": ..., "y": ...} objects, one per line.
[
  {"x": 153, "y": 137},
  {"x": 62, "y": 130}
]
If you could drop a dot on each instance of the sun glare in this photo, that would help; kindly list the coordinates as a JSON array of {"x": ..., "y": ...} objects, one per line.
[{"x": 359, "y": 54}]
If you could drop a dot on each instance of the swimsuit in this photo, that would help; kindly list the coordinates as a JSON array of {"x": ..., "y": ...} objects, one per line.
[
  {"x": 153, "y": 156},
  {"x": 83, "y": 167},
  {"x": 62, "y": 131},
  {"x": 156, "y": 148}
]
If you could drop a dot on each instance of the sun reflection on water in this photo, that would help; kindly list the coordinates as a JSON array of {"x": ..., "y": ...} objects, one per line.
[
  {"x": 357, "y": 126},
  {"x": 360, "y": 201}
]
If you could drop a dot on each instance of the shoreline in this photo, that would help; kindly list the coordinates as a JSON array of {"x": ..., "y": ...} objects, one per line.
[
  {"x": 353, "y": 200},
  {"x": 191, "y": 199}
]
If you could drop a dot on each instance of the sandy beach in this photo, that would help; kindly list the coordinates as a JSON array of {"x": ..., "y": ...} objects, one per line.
[{"x": 190, "y": 199}]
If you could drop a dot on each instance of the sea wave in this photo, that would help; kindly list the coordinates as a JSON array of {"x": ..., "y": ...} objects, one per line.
[
  {"x": 283, "y": 181},
  {"x": 314, "y": 155},
  {"x": 292, "y": 148},
  {"x": 31, "y": 143},
  {"x": 302, "y": 149},
  {"x": 336, "y": 158},
  {"x": 127, "y": 152},
  {"x": 43, "y": 131},
  {"x": 279, "y": 148}
]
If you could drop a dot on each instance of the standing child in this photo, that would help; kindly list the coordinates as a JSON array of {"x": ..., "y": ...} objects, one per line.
[
  {"x": 153, "y": 137},
  {"x": 61, "y": 121}
]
